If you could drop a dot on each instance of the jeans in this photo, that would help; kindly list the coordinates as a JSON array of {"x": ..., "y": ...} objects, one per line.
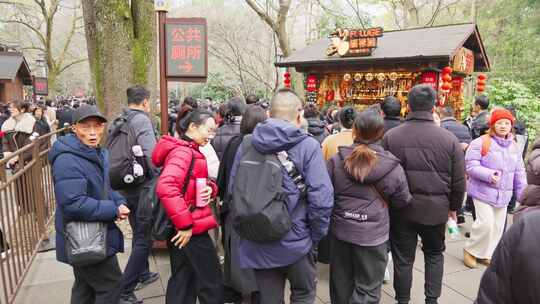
[{"x": 137, "y": 267}]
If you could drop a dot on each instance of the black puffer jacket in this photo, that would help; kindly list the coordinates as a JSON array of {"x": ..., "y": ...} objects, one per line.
[
  {"x": 391, "y": 122},
  {"x": 434, "y": 162},
  {"x": 224, "y": 134},
  {"x": 515, "y": 268},
  {"x": 459, "y": 130},
  {"x": 316, "y": 128},
  {"x": 360, "y": 216},
  {"x": 480, "y": 124}
]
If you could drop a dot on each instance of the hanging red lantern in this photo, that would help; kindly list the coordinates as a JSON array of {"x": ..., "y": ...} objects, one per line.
[
  {"x": 482, "y": 77},
  {"x": 447, "y": 70},
  {"x": 446, "y": 86},
  {"x": 447, "y": 78},
  {"x": 481, "y": 82},
  {"x": 287, "y": 79},
  {"x": 481, "y": 88}
]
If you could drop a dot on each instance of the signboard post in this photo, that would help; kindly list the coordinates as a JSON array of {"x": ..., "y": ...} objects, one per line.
[{"x": 183, "y": 55}]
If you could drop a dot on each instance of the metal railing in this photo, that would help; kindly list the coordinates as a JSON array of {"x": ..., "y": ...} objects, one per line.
[{"x": 27, "y": 206}]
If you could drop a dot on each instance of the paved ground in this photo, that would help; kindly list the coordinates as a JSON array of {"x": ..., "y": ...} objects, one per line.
[{"x": 49, "y": 282}]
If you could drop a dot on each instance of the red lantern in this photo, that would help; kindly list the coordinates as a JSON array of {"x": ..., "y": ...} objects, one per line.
[
  {"x": 481, "y": 82},
  {"x": 481, "y": 88},
  {"x": 447, "y": 70},
  {"x": 482, "y": 77},
  {"x": 446, "y": 86},
  {"x": 447, "y": 78},
  {"x": 287, "y": 79}
]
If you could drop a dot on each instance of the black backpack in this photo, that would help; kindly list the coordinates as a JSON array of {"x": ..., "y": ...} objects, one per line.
[
  {"x": 120, "y": 141},
  {"x": 260, "y": 211},
  {"x": 151, "y": 215}
]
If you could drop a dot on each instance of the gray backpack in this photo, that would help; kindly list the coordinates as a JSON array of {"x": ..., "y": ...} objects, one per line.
[{"x": 260, "y": 212}]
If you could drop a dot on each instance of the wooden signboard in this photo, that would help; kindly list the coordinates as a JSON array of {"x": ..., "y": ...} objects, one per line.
[
  {"x": 186, "y": 43},
  {"x": 351, "y": 42},
  {"x": 464, "y": 61},
  {"x": 41, "y": 86}
]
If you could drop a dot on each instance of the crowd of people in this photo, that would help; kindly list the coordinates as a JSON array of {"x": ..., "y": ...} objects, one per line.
[{"x": 289, "y": 185}]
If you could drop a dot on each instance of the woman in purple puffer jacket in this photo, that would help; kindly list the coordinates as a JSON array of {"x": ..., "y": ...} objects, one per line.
[{"x": 496, "y": 171}]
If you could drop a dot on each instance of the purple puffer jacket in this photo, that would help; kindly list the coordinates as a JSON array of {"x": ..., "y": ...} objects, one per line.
[{"x": 504, "y": 157}]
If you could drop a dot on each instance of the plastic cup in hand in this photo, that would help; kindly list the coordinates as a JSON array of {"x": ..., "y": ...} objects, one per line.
[
  {"x": 453, "y": 229},
  {"x": 200, "y": 186}
]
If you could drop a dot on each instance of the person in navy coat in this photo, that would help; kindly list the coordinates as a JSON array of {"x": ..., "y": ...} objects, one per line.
[{"x": 83, "y": 193}]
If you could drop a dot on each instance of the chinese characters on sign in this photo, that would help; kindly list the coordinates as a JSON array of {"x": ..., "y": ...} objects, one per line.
[
  {"x": 186, "y": 48},
  {"x": 347, "y": 42},
  {"x": 464, "y": 61},
  {"x": 430, "y": 78},
  {"x": 41, "y": 86}
]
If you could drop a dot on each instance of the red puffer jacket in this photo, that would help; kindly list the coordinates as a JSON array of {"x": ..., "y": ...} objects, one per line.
[{"x": 174, "y": 155}]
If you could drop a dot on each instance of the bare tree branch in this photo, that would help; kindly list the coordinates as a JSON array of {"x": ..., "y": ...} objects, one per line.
[
  {"x": 67, "y": 66},
  {"x": 264, "y": 16}
]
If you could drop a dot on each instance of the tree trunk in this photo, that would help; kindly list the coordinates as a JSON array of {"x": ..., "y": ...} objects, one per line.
[{"x": 121, "y": 40}]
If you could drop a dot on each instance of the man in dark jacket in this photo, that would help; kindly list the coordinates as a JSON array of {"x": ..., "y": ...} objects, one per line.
[
  {"x": 434, "y": 162},
  {"x": 83, "y": 193},
  {"x": 392, "y": 111},
  {"x": 64, "y": 115},
  {"x": 137, "y": 274},
  {"x": 291, "y": 258},
  {"x": 316, "y": 127},
  {"x": 449, "y": 122},
  {"x": 515, "y": 266},
  {"x": 480, "y": 124},
  {"x": 231, "y": 128}
]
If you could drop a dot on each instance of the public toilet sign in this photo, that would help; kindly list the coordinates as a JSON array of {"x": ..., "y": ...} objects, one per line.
[
  {"x": 354, "y": 42},
  {"x": 41, "y": 86},
  {"x": 186, "y": 43}
]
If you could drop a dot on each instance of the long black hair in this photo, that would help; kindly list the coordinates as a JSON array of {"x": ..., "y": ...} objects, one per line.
[{"x": 188, "y": 115}]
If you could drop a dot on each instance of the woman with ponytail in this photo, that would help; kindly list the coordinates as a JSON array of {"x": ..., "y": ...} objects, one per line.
[
  {"x": 368, "y": 181},
  {"x": 195, "y": 269}
]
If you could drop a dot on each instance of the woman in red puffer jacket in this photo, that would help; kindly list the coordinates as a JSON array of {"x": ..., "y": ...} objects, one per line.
[{"x": 195, "y": 270}]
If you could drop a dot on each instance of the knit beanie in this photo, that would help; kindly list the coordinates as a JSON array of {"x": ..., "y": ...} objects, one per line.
[
  {"x": 501, "y": 114},
  {"x": 422, "y": 98}
]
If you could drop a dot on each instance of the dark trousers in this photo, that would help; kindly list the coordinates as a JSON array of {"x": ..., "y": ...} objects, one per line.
[
  {"x": 403, "y": 240},
  {"x": 137, "y": 267},
  {"x": 469, "y": 206},
  {"x": 301, "y": 276},
  {"x": 195, "y": 273},
  {"x": 98, "y": 283},
  {"x": 356, "y": 272}
]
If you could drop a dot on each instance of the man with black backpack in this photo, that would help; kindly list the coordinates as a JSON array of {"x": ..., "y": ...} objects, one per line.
[
  {"x": 131, "y": 141},
  {"x": 282, "y": 200}
]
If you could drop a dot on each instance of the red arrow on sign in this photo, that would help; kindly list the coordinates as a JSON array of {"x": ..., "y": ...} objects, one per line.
[{"x": 186, "y": 67}]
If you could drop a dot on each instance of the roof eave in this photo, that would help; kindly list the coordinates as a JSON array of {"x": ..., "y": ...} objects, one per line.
[{"x": 363, "y": 61}]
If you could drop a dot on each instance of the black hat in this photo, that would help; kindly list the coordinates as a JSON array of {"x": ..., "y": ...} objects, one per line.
[
  {"x": 86, "y": 111},
  {"x": 422, "y": 98}
]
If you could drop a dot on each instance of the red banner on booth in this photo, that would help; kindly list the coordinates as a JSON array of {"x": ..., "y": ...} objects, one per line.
[{"x": 430, "y": 78}]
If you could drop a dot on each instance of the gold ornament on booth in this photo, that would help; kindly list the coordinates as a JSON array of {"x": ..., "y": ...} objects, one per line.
[
  {"x": 381, "y": 77},
  {"x": 369, "y": 77},
  {"x": 347, "y": 77},
  {"x": 358, "y": 77},
  {"x": 393, "y": 76}
]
